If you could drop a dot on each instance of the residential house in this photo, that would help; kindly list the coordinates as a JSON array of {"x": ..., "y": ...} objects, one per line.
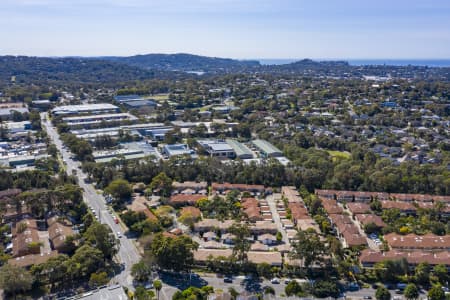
[
  {"x": 59, "y": 230},
  {"x": 25, "y": 238}
]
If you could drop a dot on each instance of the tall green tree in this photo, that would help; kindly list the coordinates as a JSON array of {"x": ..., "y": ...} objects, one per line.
[
  {"x": 173, "y": 253},
  {"x": 436, "y": 293},
  {"x": 241, "y": 241},
  {"x": 308, "y": 248},
  {"x": 382, "y": 293},
  {"x": 14, "y": 279},
  {"x": 102, "y": 238},
  {"x": 120, "y": 189},
  {"x": 162, "y": 183},
  {"x": 411, "y": 291},
  {"x": 141, "y": 271}
]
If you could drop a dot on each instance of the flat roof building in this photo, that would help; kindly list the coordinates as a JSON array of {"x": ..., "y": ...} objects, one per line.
[
  {"x": 267, "y": 149},
  {"x": 89, "y": 120},
  {"x": 96, "y": 108},
  {"x": 242, "y": 151},
  {"x": 178, "y": 149},
  {"x": 217, "y": 148}
]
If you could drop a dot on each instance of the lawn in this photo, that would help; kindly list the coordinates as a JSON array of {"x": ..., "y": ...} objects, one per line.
[
  {"x": 339, "y": 154},
  {"x": 160, "y": 97}
]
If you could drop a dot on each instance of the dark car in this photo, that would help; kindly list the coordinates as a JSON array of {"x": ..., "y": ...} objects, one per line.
[
  {"x": 368, "y": 297},
  {"x": 228, "y": 279}
]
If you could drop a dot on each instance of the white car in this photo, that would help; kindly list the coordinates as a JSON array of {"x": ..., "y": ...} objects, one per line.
[
  {"x": 119, "y": 235},
  {"x": 275, "y": 280}
]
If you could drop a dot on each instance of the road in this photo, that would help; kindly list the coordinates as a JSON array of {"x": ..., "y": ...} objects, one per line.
[
  {"x": 271, "y": 200},
  {"x": 128, "y": 253}
]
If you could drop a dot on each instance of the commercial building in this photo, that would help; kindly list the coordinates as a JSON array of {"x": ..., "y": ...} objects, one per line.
[
  {"x": 267, "y": 149},
  {"x": 139, "y": 104},
  {"x": 127, "y": 151},
  {"x": 242, "y": 151},
  {"x": 90, "y": 120},
  {"x": 217, "y": 148},
  {"x": 7, "y": 113},
  {"x": 177, "y": 149},
  {"x": 96, "y": 108}
]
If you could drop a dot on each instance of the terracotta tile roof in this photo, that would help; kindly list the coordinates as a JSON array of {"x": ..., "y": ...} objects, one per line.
[
  {"x": 354, "y": 239},
  {"x": 331, "y": 207},
  {"x": 32, "y": 259},
  {"x": 210, "y": 224},
  {"x": 182, "y": 199},
  {"x": 58, "y": 232},
  {"x": 412, "y": 241},
  {"x": 365, "y": 219},
  {"x": 298, "y": 211},
  {"x": 402, "y": 206},
  {"x": 291, "y": 194},
  {"x": 189, "y": 185},
  {"x": 257, "y": 257},
  {"x": 194, "y": 211},
  {"x": 240, "y": 187},
  {"x": 441, "y": 199},
  {"x": 22, "y": 238},
  {"x": 369, "y": 256},
  {"x": 358, "y": 208}
]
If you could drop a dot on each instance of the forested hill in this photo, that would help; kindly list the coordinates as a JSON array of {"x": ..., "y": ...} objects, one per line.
[
  {"x": 39, "y": 70},
  {"x": 186, "y": 62},
  {"x": 113, "y": 70}
]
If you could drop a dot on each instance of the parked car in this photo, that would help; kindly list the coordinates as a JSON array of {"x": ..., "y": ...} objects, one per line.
[{"x": 275, "y": 281}]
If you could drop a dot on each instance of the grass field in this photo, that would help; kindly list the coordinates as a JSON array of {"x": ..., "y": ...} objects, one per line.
[
  {"x": 339, "y": 154},
  {"x": 160, "y": 97}
]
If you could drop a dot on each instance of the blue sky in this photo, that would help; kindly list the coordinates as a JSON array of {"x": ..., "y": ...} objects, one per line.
[{"x": 357, "y": 29}]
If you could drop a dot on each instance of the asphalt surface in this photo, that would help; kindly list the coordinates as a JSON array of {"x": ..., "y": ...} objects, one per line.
[
  {"x": 109, "y": 293},
  {"x": 128, "y": 253}
]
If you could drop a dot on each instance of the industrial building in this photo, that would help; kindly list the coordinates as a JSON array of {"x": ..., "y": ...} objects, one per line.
[
  {"x": 267, "y": 149},
  {"x": 7, "y": 113},
  {"x": 90, "y": 120},
  {"x": 217, "y": 148},
  {"x": 96, "y": 108},
  {"x": 135, "y": 150},
  {"x": 242, "y": 151},
  {"x": 155, "y": 131},
  {"x": 178, "y": 149}
]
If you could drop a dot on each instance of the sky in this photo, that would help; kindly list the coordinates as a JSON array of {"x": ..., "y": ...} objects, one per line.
[{"x": 326, "y": 29}]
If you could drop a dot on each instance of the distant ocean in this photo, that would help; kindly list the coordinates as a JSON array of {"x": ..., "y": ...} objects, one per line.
[{"x": 360, "y": 62}]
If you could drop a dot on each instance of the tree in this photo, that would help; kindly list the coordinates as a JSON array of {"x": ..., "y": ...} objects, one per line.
[
  {"x": 324, "y": 288},
  {"x": 141, "y": 271},
  {"x": 120, "y": 189},
  {"x": 14, "y": 279},
  {"x": 440, "y": 271},
  {"x": 411, "y": 291},
  {"x": 101, "y": 236},
  {"x": 98, "y": 279},
  {"x": 52, "y": 271},
  {"x": 85, "y": 261},
  {"x": 142, "y": 294},
  {"x": 264, "y": 269},
  {"x": 242, "y": 245},
  {"x": 422, "y": 273},
  {"x": 162, "y": 183},
  {"x": 382, "y": 293},
  {"x": 293, "y": 288},
  {"x": 173, "y": 253},
  {"x": 157, "y": 284},
  {"x": 436, "y": 293},
  {"x": 268, "y": 290},
  {"x": 308, "y": 248}
]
